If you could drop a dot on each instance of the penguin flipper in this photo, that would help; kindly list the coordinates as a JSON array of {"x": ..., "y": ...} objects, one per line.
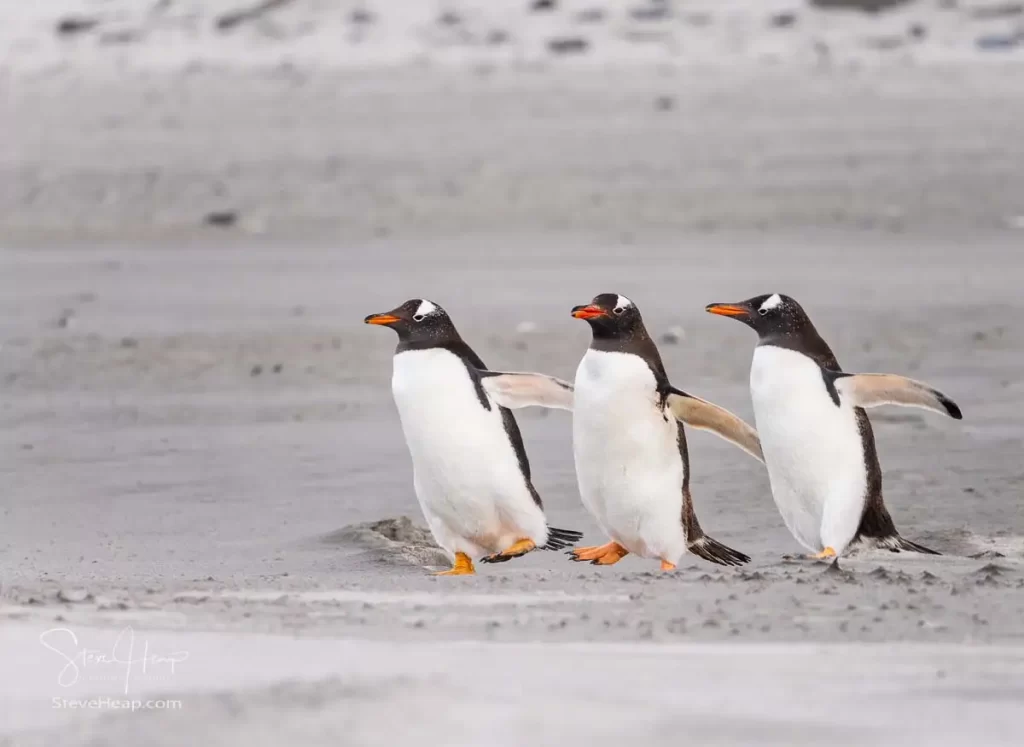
[
  {"x": 699, "y": 413},
  {"x": 516, "y": 390},
  {"x": 872, "y": 390}
]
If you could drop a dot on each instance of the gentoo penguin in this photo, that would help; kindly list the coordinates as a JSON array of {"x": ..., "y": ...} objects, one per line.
[
  {"x": 817, "y": 440},
  {"x": 471, "y": 474},
  {"x": 630, "y": 447}
]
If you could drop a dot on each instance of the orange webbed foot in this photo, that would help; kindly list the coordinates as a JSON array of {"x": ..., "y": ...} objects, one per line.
[
  {"x": 827, "y": 554},
  {"x": 463, "y": 566},
  {"x": 519, "y": 547},
  {"x": 608, "y": 554}
]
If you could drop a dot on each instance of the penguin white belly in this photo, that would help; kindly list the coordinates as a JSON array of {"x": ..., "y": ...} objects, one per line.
[
  {"x": 466, "y": 472},
  {"x": 812, "y": 449},
  {"x": 628, "y": 464}
]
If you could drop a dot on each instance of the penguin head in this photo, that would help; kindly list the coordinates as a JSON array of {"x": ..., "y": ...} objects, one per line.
[
  {"x": 417, "y": 320},
  {"x": 612, "y": 316},
  {"x": 768, "y": 315}
]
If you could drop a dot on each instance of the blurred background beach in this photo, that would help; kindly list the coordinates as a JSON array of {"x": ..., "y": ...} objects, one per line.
[{"x": 200, "y": 201}]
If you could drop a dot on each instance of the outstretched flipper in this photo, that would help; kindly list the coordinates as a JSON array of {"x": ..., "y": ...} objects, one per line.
[
  {"x": 516, "y": 390},
  {"x": 872, "y": 390},
  {"x": 704, "y": 415}
]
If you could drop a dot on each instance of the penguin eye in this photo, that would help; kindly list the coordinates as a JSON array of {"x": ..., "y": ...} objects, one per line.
[
  {"x": 418, "y": 318},
  {"x": 763, "y": 312},
  {"x": 618, "y": 310}
]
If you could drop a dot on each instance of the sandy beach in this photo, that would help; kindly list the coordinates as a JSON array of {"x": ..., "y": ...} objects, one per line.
[{"x": 199, "y": 442}]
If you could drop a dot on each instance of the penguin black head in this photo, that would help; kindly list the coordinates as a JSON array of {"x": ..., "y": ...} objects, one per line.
[
  {"x": 612, "y": 316},
  {"x": 417, "y": 321},
  {"x": 771, "y": 315}
]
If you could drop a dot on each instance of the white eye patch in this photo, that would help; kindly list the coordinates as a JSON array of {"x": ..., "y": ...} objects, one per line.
[
  {"x": 622, "y": 302},
  {"x": 425, "y": 308},
  {"x": 773, "y": 302}
]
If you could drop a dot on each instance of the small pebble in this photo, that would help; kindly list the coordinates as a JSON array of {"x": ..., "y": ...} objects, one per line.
[
  {"x": 664, "y": 104},
  {"x": 75, "y": 25},
  {"x": 221, "y": 218},
  {"x": 568, "y": 45}
]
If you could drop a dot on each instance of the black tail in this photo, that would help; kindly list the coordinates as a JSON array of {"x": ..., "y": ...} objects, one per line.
[
  {"x": 714, "y": 551},
  {"x": 876, "y": 523},
  {"x": 559, "y": 539},
  {"x": 896, "y": 543}
]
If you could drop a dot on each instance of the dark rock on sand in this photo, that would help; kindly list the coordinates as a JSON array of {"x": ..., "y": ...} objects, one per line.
[
  {"x": 997, "y": 42},
  {"x": 997, "y": 10},
  {"x": 653, "y": 12},
  {"x": 568, "y": 45},
  {"x": 121, "y": 36},
  {"x": 783, "y": 20},
  {"x": 235, "y": 18},
  {"x": 868, "y": 6},
  {"x": 664, "y": 104},
  {"x": 449, "y": 18},
  {"x": 497, "y": 37},
  {"x": 221, "y": 218},
  {"x": 361, "y": 17},
  {"x": 590, "y": 15},
  {"x": 71, "y": 25}
]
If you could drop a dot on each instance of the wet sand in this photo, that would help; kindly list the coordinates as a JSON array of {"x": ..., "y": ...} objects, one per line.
[{"x": 193, "y": 416}]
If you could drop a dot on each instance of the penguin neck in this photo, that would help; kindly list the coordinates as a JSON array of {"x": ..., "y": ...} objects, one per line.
[
  {"x": 447, "y": 339},
  {"x": 635, "y": 341},
  {"x": 803, "y": 339},
  {"x": 615, "y": 339}
]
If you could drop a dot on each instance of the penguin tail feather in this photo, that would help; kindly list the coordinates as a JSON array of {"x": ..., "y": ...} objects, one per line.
[
  {"x": 896, "y": 543},
  {"x": 714, "y": 551},
  {"x": 559, "y": 539}
]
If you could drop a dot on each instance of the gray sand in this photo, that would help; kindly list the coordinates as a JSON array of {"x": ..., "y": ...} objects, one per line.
[{"x": 194, "y": 418}]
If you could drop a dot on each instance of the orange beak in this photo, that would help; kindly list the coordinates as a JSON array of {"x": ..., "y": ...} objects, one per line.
[
  {"x": 727, "y": 309},
  {"x": 588, "y": 312},
  {"x": 384, "y": 319}
]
